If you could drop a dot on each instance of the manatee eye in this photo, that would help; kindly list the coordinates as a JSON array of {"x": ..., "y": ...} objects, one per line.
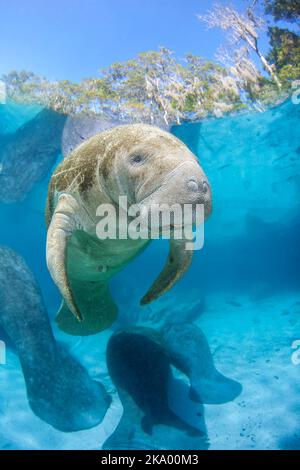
[{"x": 137, "y": 160}]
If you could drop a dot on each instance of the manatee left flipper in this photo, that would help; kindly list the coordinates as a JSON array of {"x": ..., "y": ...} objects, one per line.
[
  {"x": 190, "y": 352},
  {"x": 59, "y": 389},
  {"x": 98, "y": 310},
  {"x": 177, "y": 264}
]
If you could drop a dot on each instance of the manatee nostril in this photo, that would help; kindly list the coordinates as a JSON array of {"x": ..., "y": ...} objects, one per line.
[
  {"x": 192, "y": 185},
  {"x": 205, "y": 186},
  {"x": 201, "y": 187}
]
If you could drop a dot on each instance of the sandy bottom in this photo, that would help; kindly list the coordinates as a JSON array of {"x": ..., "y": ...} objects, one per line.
[{"x": 251, "y": 343}]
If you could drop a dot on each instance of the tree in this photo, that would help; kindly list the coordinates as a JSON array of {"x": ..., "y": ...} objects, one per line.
[
  {"x": 285, "y": 53},
  {"x": 209, "y": 89},
  {"x": 154, "y": 87},
  {"x": 26, "y": 87},
  {"x": 283, "y": 9},
  {"x": 23, "y": 85},
  {"x": 149, "y": 87},
  {"x": 244, "y": 72},
  {"x": 243, "y": 28}
]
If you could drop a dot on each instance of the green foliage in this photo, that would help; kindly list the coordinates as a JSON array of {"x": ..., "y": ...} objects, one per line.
[
  {"x": 284, "y": 9},
  {"x": 285, "y": 54},
  {"x": 155, "y": 87}
]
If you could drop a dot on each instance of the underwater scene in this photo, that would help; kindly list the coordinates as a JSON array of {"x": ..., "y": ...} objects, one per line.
[{"x": 211, "y": 363}]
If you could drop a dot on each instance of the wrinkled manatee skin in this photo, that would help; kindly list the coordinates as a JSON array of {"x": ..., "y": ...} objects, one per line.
[
  {"x": 59, "y": 389},
  {"x": 190, "y": 353}
]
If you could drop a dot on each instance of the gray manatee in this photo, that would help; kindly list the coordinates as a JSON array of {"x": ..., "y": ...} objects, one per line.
[
  {"x": 142, "y": 162},
  {"x": 140, "y": 368},
  {"x": 79, "y": 128},
  {"x": 190, "y": 353},
  {"x": 59, "y": 389},
  {"x": 27, "y": 155}
]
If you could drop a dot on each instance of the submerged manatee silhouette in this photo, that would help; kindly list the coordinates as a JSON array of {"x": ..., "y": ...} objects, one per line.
[
  {"x": 148, "y": 166},
  {"x": 59, "y": 389},
  {"x": 140, "y": 368},
  {"x": 190, "y": 352},
  {"x": 28, "y": 154}
]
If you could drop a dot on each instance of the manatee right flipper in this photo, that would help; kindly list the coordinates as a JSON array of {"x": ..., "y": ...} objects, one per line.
[
  {"x": 178, "y": 262},
  {"x": 98, "y": 310}
]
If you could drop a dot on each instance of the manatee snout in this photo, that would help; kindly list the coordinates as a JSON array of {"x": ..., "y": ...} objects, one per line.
[
  {"x": 198, "y": 190},
  {"x": 185, "y": 185}
]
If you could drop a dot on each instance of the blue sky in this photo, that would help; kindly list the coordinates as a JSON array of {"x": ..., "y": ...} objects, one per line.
[{"x": 73, "y": 39}]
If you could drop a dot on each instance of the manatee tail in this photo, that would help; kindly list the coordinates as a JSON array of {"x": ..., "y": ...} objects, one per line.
[
  {"x": 137, "y": 432},
  {"x": 214, "y": 389},
  {"x": 61, "y": 392},
  {"x": 95, "y": 304},
  {"x": 208, "y": 385},
  {"x": 59, "y": 389},
  {"x": 129, "y": 434}
]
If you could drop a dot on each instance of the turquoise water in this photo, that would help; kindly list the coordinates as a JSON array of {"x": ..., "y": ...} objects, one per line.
[{"x": 242, "y": 291}]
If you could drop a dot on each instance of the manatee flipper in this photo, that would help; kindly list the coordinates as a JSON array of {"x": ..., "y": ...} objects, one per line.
[
  {"x": 64, "y": 223},
  {"x": 98, "y": 310},
  {"x": 177, "y": 264}
]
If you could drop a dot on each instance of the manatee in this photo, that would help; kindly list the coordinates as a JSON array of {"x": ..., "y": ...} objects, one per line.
[
  {"x": 140, "y": 368},
  {"x": 190, "y": 353},
  {"x": 59, "y": 389},
  {"x": 27, "y": 155},
  {"x": 142, "y": 162},
  {"x": 81, "y": 127}
]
